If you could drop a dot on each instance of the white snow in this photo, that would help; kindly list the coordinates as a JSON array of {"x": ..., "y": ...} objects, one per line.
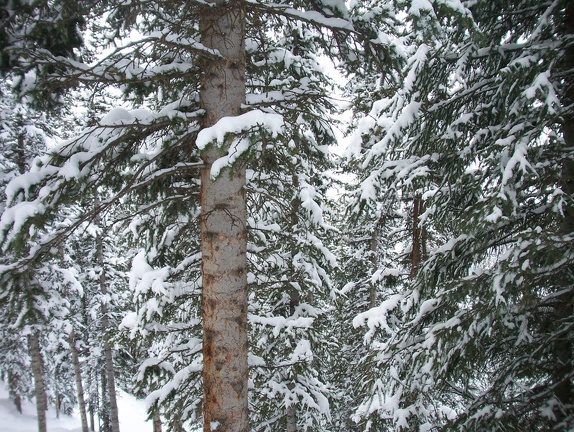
[
  {"x": 377, "y": 317},
  {"x": 318, "y": 18},
  {"x": 132, "y": 414},
  {"x": 221, "y": 130},
  {"x": 420, "y": 5},
  {"x": 232, "y": 125},
  {"x": 542, "y": 86}
]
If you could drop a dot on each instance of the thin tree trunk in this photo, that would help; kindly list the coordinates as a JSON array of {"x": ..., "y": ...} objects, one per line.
[
  {"x": 79, "y": 385},
  {"x": 373, "y": 246},
  {"x": 419, "y": 235},
  {"x": 156, "y": 422},
  {"x": 92, "y": 419},
  {"x": 92, "y": 391},
  {"x": 105, "y": 321},
  {"x": 56, "y": 393},
  {"x": 294, "y": 297},
  {"x": 108, "y": 355},
  {"x": 21, "y": 148},
  {"x": 291, "y": 418},
  {"x": 291, "y": 410},
  {"x": 13, "y": 391},
  {"x": 104, "y": 411},
  {"x": 93, "y": 401},
  {"x": 223, "y": 229},
  {"x": 177, "y": 427},
  {"x": 39, "y": 388}
]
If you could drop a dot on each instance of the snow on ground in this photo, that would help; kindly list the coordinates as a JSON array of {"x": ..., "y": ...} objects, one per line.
[{"x": 132, "y": 416}]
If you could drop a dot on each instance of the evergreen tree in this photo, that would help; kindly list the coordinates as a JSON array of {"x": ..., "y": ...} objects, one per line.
[
  {"x": 187, "y": 76},
  {"x": 484, "y": 122},
  {"x": 32, "y": 303}
]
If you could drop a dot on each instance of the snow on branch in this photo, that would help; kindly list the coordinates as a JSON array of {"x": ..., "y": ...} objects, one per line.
[
  {"x": 311, "y": 17},
  {"x": 79, "y": 165},
  {"x": 220, "y": 131},
  {"x": 122, "y": 65}
]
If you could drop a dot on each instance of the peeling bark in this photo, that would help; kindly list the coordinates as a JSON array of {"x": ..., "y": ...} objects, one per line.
[{"x": 223, "y": 229}]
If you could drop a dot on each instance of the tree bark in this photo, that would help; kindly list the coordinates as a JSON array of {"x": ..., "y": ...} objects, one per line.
[
  {"x": 294, "y": 296},
  {"x": 108, "y": 355},
  {"x": 104, "y": 419},
  {"x": 374, "y": 250},
  {"x": 418, "y": 237},
  {"x": 79, "y": 385},
  {"x": 156, "y": 422},
  {"x": 291, "y": 418},
  {"x": 39, "y": 387},
  {"x": 223, "y": 229},
  {"x": 93, "y": 403},
  {"x": 57, "y": 400}
]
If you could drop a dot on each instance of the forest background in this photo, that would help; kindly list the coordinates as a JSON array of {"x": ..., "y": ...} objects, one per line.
[{"x": 175, "y": 224}]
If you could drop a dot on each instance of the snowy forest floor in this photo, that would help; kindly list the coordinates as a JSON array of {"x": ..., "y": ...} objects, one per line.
[{"x": 132, "y": 416}]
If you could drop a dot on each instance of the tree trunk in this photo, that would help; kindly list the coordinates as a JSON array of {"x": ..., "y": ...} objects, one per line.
[
  {"x": 291, "y": 418},
  {"x": 56, "y": 393},
  {"x": 374, "y": 249},
  {"x": 93, "y": 400},
  {"x": 79, "y": 386},
  {"x": 39, "y": 388},
  {"x": 156, "y": 422},
  {"x": 223, "y": 229},
  {"x": 294, "y": 297},
  {"x": 13, "y": 391},
  {"x": 108, "y": 356},
  {"x": 418, "y": 237},
  {"x": 105, "y": 424}
]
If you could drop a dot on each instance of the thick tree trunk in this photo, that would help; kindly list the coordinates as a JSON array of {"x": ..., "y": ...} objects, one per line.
[
  {"x": 39, "y": 388},
  {"x": 223, "y": 229},
  {"x": 79, "y": 385}
]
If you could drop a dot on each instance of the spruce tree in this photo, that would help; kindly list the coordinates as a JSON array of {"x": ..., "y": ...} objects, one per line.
[
  {"x": 487, "y": 320},
  {"x": 185, "y": 82}
]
